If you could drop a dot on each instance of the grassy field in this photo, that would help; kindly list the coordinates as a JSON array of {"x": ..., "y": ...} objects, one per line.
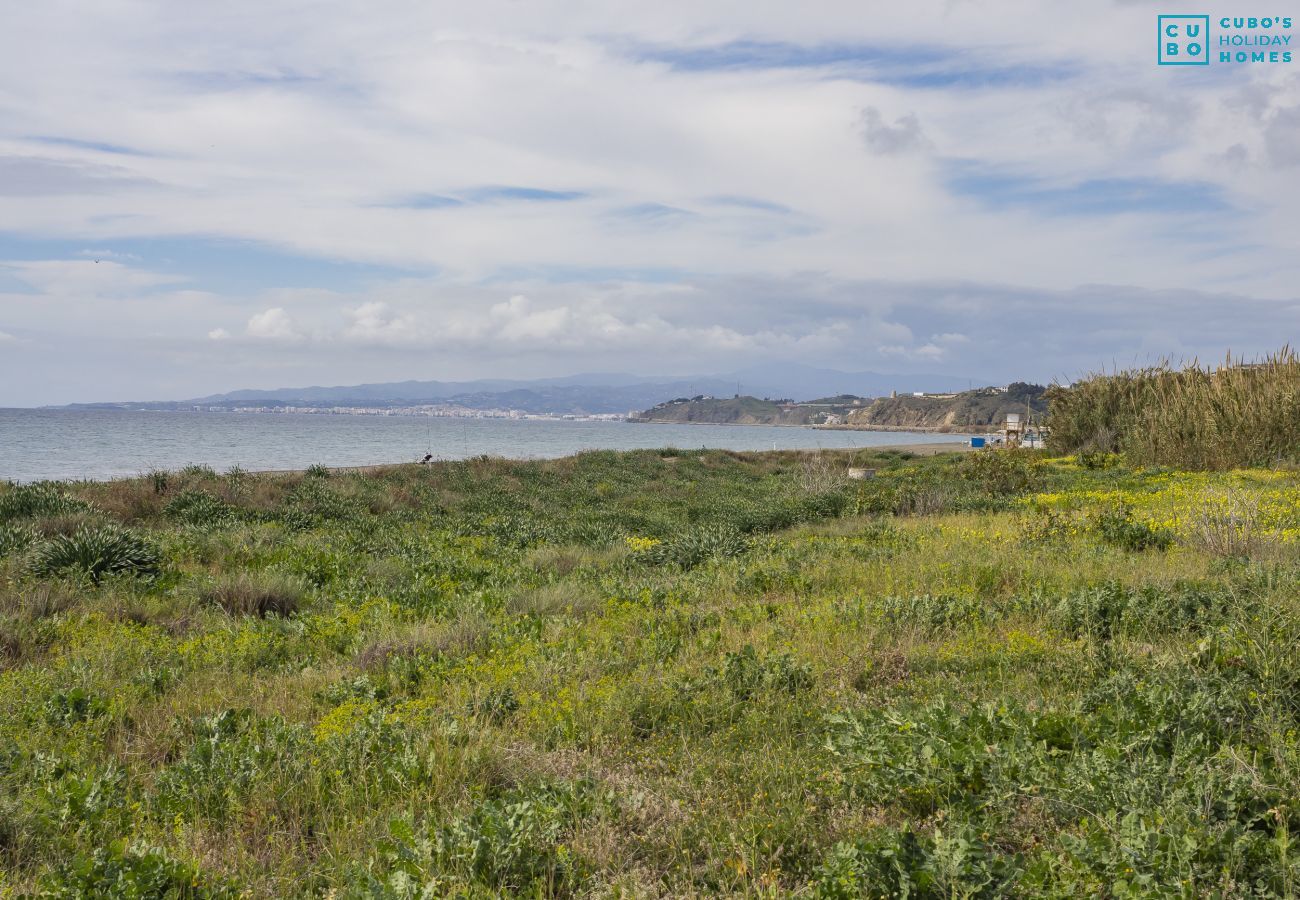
[{"x": 654, "y": 674}]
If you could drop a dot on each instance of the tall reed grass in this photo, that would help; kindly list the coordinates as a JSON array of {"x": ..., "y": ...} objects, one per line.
[{"x": 1239, "y": 414}]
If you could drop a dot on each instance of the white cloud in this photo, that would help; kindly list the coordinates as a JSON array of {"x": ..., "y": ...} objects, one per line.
[
  {"x": 904, "y": 136},
  {"x": 927, "y": 352},
  {"x": 108, "y": 254},
  {"x": 373, "y": 322},
  {"x": 272, "y": 324},
  {"x": 218, "y": 334},
  {"x": 6, "y": 338}
]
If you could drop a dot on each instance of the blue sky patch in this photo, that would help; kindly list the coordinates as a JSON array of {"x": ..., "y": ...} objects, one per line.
[
  {"x": 211, "y": 264},
  {"x": 1000, "y": 189},
  {"x": 77, "y": 144},
  {"x": 916, "y": 66},
  {"x": 497, "y": 193},
  {"x": 750, "y": 203},
  {"x": 651, "y": 212},
  {"x": 426, "y": 201},
  {"x": 235, "y": 79},
  {"x": 586, "y": 275}
]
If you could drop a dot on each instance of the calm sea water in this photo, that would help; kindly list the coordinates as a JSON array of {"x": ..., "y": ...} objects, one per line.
[{"x": 38, "y": 444}]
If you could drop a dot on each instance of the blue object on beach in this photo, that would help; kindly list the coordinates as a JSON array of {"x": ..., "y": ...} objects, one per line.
[{"x": 977, "y": 442}]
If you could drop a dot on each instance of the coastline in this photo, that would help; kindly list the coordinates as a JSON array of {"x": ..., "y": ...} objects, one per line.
[
  {"x": 916, "y": 449},
  {"x": 96, "y": 445}
]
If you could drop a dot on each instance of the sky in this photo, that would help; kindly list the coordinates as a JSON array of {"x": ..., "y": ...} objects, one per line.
[{"x": 197, "y": 198}]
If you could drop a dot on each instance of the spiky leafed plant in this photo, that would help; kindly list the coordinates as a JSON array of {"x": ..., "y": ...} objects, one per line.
[
  {"x": 98, "y": 551},
  {"x": 44, "y": 498},
  {"x": 14, "y": 538}
]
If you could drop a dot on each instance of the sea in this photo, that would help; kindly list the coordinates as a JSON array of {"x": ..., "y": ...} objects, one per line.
[{"x": 97, "y": 444}]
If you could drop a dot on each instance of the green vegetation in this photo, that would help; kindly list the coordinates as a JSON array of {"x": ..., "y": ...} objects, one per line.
[
  {"x": 1238, "y": 415},
  {"x": 979, "y": 410},
  {"x": 973, "y": 411},
  {"x": 737, "y": 411},
  {"x": 654, "y": 674}
]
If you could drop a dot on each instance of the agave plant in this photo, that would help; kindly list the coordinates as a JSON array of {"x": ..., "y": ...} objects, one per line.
[
  {"x": 198, "y": 508},
  {"x": 14, "y": 538},
  {"x": 98, "y": 551},
  {"x": 41, "y": 499}
]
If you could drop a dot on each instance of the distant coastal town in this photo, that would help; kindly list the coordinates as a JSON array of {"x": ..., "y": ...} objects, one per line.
[{"x": 441, "y": 411}]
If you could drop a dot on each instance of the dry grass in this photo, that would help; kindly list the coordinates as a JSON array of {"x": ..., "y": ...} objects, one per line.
[
  {"x": 456, "y": 638},
  {"x": 35, "y": 600},
  {"x": 564, "y": 559},
  {"x": 1229, "y": 525},
  {"x": 66, "y": 524},
  {"x": 255, "y": 594},
  {"x": 556, "y": 600},
  {"x": 820, "y": 473}
]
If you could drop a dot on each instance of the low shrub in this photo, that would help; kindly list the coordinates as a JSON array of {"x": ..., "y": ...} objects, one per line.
[
  {"x": 511, "y": 845},
  {"x": 231, "y": 756},
  {"x": 1000, "y": 471},
  {"x": 932, "y": 611},
  {"x": 1110, "y": 609},
  {"x": 73, "y": 706},
  {"x": 1050, "y": 529},
  {"x": 515, "y": 844},
  {"x": 747, "y": 674},
  {"x": 952, "y": 861},
  {"x": 1118, "y": 528},
  {"x": 123, "y": 871},
  {"x": 494, "y": 706},
  {"x": 1098, "y": 460}
]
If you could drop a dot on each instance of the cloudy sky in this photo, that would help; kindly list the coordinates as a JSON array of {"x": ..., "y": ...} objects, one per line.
[{"x": 201, "y": 197}]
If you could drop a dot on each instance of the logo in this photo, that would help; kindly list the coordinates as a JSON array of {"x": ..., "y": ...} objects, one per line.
[{"x": 1184, "y": 40}]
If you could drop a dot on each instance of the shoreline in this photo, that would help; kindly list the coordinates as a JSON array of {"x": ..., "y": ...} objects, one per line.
[
  {"x": 95, "y": 449},
  {"x": 919, "y": 449}
]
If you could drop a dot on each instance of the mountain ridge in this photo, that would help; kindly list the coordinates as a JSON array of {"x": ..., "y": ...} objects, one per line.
[{"x": 584, "y": 393}]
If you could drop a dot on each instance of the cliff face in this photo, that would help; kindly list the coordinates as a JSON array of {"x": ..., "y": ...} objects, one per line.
[{"x": 968, "y": 411}]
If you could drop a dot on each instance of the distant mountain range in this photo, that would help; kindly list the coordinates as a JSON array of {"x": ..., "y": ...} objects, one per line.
[{"x": 591, "y": 394}]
